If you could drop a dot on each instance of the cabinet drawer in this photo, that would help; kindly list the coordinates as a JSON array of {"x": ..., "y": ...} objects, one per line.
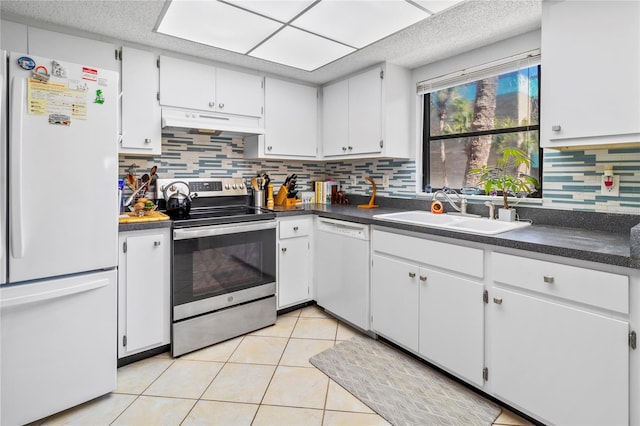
[
  {"x": 596, "y": 288},
  {"x": 292, "y": 228},
  {"x": 460, "y": 259}
]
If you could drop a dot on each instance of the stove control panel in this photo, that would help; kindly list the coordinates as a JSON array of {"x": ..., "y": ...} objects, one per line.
[{"x": 204, "y": 187}]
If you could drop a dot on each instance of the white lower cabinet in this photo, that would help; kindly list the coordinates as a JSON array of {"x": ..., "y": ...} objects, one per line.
[
  {"x": 555, "y": 351},
  {"x": 294, "y": 260},
  {"x": 434, "y": 313},
  {"x": 144, "y": 290}
]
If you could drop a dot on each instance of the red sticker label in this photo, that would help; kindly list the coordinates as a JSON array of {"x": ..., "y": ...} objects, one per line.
[{"x": 90, "y": 74}]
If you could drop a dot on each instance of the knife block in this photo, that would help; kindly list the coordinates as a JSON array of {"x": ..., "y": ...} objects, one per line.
[{"x": 281, "y": 197}]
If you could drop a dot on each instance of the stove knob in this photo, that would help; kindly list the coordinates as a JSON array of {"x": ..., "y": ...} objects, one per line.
[
  {"x": 234, "y": 186},
  {"x": 241, "y": 186},
  {"x": 227, "y": 186}
]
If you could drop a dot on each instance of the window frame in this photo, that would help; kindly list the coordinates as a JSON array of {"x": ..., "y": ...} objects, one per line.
[{"x": 427, "y": 139}]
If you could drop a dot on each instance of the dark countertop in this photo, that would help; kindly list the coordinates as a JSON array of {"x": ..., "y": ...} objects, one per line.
[
  {"x": 126, "y": 227},
  {"x": 576, "y": 243},
  {"x": 611, "y": 248}
]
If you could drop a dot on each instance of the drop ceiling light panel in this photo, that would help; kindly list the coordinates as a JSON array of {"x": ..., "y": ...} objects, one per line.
[
  {"x": 216, "y": 24},
  {"x": 359, "y": 23},
  {"x": 283, "y": 10},
  {"x": 300, "y": 49},
  {"x": 435, "y": 6}
]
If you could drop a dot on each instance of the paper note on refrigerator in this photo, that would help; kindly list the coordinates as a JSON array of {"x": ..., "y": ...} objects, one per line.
[{"x": 53, "y": 98}]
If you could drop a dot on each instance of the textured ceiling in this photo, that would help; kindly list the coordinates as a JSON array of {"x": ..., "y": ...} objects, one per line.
[{"x": 464, "y": 27}]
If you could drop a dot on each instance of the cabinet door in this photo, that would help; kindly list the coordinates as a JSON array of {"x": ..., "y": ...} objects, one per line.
[
  {"x": 146, "y": 303},
  {"x": 564, "y": 364},
  {"x": 63, "y": 47},
  {"x": 187, "y": 84},
  {"x": 239, "y": 93},
  {"x": 589, "y": 76},
  {"x": 335, "y": 119},
  {"x": 394, "y": 301},
  {"x": 291, "y": 118},
  {"x": 294, "y": 264},
  {"x": 141, "y": 127},
  {"x": 452, "y": 323},
  {"x": 365, "y": 113}
]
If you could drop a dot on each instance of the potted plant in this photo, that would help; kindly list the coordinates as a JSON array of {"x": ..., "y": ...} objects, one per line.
[{"x": 504, "y": 177}]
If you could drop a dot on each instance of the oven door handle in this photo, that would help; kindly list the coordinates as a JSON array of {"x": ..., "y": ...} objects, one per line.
[{"x": 212, "y": 231}]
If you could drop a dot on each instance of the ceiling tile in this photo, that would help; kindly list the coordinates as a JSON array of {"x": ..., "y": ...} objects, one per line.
[
  {"x": 300, "y": 49},
  {"x": 282, "y": 10},
  {"x": 359, "y": 23},
  {"x": 216, "y": 24}
]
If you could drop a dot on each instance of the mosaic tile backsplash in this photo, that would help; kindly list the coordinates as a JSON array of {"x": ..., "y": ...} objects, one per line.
[{"x": 571, "y": 179}]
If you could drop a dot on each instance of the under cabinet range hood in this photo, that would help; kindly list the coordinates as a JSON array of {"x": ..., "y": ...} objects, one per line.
[{"x": 210, "y": 123}]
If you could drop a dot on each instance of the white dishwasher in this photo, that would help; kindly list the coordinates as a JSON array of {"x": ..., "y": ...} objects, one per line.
[{"x": 343, "y": 260}]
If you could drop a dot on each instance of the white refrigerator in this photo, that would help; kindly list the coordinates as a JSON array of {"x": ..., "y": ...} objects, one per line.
[{"x": 58, "y": 305}]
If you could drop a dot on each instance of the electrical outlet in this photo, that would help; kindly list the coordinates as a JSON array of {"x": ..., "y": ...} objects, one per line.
[
  {"x": 352, "y": 180},
  {"x": 613, "y": 190},
  {"x": 385, "y": 181}
]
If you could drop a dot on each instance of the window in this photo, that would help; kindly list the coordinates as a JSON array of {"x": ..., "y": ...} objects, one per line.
[{"x": 466, "y": 126}]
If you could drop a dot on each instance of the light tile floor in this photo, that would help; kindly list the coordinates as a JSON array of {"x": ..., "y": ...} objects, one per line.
[{"x": 263, "y": 378}]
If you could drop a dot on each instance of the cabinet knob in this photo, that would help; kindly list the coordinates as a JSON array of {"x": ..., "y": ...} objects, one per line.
[
  {"x": 295, "y": 228},
  {"x": 497, "y": 300},
  {"x": 344, "y": 148},
  {"x": 556, "y": 127},
  {"x": 147, "y": 140},
  {"x": 547, "y": 279},
  {"x": 284, "y": 249},
  {"x": 412, "y": 274},
  {"x": 221, "y": 105},
  {"x": 212, "y": 104},
  {"x": 423, "y": 278},
  {"x": 269, "y": 148},
  {"x": 156, "y": 243},
  {"x": 350, "y": 148}
]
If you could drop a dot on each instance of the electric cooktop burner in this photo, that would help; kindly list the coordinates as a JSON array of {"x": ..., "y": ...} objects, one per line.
[{"x": 215, "y": 201}]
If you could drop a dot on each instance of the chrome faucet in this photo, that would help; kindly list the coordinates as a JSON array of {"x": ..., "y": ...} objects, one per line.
[
  {"x": 492, "y": 209},
  {"x": 463, "y": 201}
]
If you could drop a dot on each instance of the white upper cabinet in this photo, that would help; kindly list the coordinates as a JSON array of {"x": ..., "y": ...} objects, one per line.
[
  {"x": 590, "y": 65},
  {"x": 290, "y": 121},
  {"x": 141, "y": 128},
  {"x": 367, "y": 115},
  {"x": 69, "y": 48},
  {"x": 335, "y": 118},
  {"x": 193, "y": 85}
]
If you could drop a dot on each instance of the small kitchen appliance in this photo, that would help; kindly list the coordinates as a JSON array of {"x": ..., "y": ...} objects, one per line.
[{"x": 223, "y": 265}]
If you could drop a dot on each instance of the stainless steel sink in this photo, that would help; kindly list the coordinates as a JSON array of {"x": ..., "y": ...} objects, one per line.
[{"x": 472, "y": 225}]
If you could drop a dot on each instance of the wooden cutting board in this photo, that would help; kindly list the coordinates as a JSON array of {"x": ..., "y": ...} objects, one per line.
[{"x": 151, "y": 217}]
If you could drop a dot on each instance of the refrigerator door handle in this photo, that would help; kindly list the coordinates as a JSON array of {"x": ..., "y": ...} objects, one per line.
[
  {"x": 21, "y": 300},
  {"x": 18, "y": 97}
]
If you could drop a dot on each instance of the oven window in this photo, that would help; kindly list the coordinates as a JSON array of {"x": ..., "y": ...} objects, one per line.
[{"x": 211, "y": 266}]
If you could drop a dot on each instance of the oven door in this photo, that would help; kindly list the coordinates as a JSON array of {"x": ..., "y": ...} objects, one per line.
[{"x": 223, "y": 265}]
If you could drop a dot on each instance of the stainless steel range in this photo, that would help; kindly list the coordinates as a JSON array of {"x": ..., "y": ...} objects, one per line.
[{"x": 223, "y": 264}]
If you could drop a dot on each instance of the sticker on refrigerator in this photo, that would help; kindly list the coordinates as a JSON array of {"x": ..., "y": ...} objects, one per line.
[
  {"x": 90, "y": 74},
  {"x": 60, "y": 119},
  {"x": 54, "y": 98}
]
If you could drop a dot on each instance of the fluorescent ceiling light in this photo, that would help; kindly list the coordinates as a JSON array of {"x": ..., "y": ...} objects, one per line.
[
  {"x": 305, "y": 34},
  {"x": 435, "y": 6},
  {"x": 299, "y": 49},
  {"x": 281, "y": 10},
  {"x": 216, "y": 24},
  {"x": 359, "y": 23}
]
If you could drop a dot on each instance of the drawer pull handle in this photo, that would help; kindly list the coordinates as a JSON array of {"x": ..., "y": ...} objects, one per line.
[
  {"x": 547, "y": 279},
  {"x": 412, "y": 274},
  {"x": 497, "y": 300},
  {"x": 156, "y": 243},
  {"x": 423, "y": 278},
  {"x": 295, "y": 228}
]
